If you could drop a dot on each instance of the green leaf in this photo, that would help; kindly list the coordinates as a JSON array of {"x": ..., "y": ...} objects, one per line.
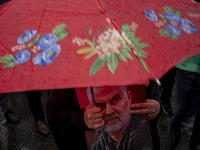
[
  {"x": 168, "y": 9},
  {"x": 90, "y": 32},
  {"x": 163, "y": 18},
  {"x": 122, "y": 57},
  {"x": 9, "y": 65},
  {"x": 89, "y": 43},
  {"x": 144, "y": 56},
  {"x": 126, "y": 53},
  {"x": 30, "y": 44},
  {"x": 61, "y": 36},
  {"x": 143, "y": 64},
  {"x": 139, "y": 54},
  {"x": 142, "y": 51},
  {"x": 125, "y": 28},
  {"x": 137, "y": 40},
  {"x": 130, "y": 35},
  {"x": 125, "y": 46},
  {"x": 94, "y": 43},
  {"x": 143, "y": 45},
  {"x": 89, "y": 55},
  {"x": 85, "y": 50},
  {"x": 7, "y": 58},
  {"x": 37, "y": 38},
  {"x": 177, "y": 12},
  {"x": 97, "y": 65},
  {"x": 164, "y": 32},
  {"x": 174, "y": 37},
  {"x": 112, "y": 63},
  {"x": 59, "y": 29}
]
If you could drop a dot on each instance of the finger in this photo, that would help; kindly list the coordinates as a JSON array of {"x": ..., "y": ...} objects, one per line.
[
  {"x": 91, "y": 116},
  {"x": 95, "y": 110},
  {"x": 139, "y": 111},
  {"x": 149, "y": 100},
  {"x": 97, "y": 125},
  {"x": 97, "y": 116},
  {"x": 93, "y": 123},
  {"x": 89, "y": 106},
  {"x": 140, "y": 105},
  {"x": 96, "y": 121}
]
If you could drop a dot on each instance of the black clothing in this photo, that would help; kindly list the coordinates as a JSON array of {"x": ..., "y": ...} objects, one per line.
[
  {"x": 35, "y": 105},
  {"x": 195, "y": 138},
  {"x": 188, "y": 103},
  {"x": 3, "y": 1},
  {"x": 66, "y": 120},
  {"x": 167, "y": 84},
  {"x": 152, "y": 92}
]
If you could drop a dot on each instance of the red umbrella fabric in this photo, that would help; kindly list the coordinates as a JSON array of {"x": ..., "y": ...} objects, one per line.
[{"x": 62, "y": 44}]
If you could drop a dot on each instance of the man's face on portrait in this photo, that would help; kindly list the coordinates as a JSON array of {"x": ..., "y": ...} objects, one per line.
[{"x": 115, "y": 105}]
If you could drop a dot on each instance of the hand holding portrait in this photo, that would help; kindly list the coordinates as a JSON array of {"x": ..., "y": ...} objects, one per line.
[
  {"x": 151, "y": 107},
  {"x": 93, "y": 117}
]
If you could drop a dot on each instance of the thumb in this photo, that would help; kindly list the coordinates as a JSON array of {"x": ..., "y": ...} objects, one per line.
[{"x": 89, "y": 106}]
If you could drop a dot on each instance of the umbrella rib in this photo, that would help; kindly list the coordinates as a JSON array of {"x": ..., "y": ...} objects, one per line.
[
  {"x": 107, "y": 15},
  {"x": 43, "y": 14},
  {"x": 92, "y": 93},
  {"x": 4, "y": 6}
]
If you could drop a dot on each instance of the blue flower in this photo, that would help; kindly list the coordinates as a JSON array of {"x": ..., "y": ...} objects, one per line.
[
  {"x": 174, "y": 30},
  {"x": 46, "y": 57},
  {"x": 173, "y": 17},
  {"x": 188, "y": 26},
  {"x": 47, "y": 41},
  {"x": 151, "y": 15},
  {"x": 26, "y": 36},
  {"x": 22, "y": 57}
]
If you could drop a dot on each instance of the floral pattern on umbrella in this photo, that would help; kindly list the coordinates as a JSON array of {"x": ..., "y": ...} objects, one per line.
[
  {"x": 47, "y": 44},
  {"x": 111, "y": 46},
  {"x": 174, "y": 17}
]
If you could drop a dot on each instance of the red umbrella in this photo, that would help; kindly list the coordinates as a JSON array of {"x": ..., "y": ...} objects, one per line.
[{"x": 62, "y": 44}]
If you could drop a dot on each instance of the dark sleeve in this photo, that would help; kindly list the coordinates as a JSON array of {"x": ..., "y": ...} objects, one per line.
[
  {"x": 2, "y": 95},
  {"x": 63, "y": 109},
  {"x": 3, "y": 1},
  {"x": 153, "y": 91}
]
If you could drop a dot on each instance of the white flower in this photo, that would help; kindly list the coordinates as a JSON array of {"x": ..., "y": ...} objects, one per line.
[
  {"x": 159, "y": 23},
  {"x": 133, "y": 26},
  {"x": 109, "y": 42},
  {"x": 78, "y": 41},
  {"x": 21, "y": 47},
  {"x": 14, "y": 48},
  {"x": 174, "y": 23},
  {"x": 35, "y": 49},
  {"x": 108, "y": 20},
  {"x": 18, "y": 47},
  {"x": 195, "y": 15}
]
